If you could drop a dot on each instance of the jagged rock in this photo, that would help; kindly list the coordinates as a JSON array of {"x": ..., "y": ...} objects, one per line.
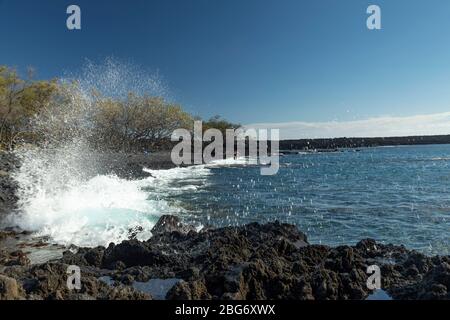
[
  {"x": 269, "y": 261},
  {"x": 15, "y": 258},
  {"x": 195, "y": 290},
  {"x": 133, "y": 232},
  {"x": 9, "y": 289},
  {"x": 435, "y": 285},
  {"x": 49, "y": 281},
  {"x": 125, "y": 293},
  {"x": 133, "y": 253},
  {"x": 168, "y": 223},
  {"x": 95, "y": 256}
]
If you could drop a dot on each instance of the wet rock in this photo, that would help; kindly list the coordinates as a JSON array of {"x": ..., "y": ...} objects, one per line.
[
  {"x": 133, "y": 232},
  {"x": 168, "y": 223},
  {"x": 269, "y": 261},
  {"x": 14, "y": 258}
]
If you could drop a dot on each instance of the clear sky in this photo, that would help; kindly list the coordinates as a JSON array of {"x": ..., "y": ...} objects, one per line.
[{"x": 252, "y": 60}]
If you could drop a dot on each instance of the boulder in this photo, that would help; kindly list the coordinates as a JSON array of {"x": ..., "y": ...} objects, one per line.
[
  {"x": 9, "y": 289},
  {"x": 168, "y": 224}
]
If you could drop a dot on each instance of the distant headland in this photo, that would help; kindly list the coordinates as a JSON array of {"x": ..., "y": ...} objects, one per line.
[{"x": 337, "y": 143}]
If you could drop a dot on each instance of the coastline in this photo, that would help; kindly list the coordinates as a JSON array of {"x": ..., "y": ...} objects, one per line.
[
  {"x": 361, "y": 142},
  {"x": 269, "y": 261},
  {"x": 254, "y": 262}
]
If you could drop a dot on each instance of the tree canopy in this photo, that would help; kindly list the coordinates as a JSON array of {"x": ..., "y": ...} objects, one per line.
[
  {"x": 20, "y": 100},
  {"x": 36, "y": 111}
]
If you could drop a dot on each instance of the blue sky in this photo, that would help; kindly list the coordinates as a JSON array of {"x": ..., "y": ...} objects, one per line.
[{"x": 252, "y": 60}]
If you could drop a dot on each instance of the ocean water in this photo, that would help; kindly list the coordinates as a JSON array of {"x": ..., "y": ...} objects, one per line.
[{"x": 397, "y": 195}]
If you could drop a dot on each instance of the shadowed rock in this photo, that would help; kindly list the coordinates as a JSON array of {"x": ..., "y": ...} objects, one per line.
[{"x": 269, "y": 261}]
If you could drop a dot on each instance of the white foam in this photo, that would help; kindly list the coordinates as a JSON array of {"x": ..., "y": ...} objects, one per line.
[
  {"x": 60, "y": 195},
  {"x": 96, "y": 212},
  {"x": 57, "y": 200},
  {"x": 240, "y": 161}
]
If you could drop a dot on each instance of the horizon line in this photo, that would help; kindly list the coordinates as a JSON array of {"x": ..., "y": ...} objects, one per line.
[{"x": 375, "y": 127}]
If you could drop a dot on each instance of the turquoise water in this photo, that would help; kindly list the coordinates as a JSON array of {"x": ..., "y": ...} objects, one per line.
[{"x": 397, "y": 195}]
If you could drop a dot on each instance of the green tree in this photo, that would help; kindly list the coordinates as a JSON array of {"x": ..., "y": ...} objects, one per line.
[
  {"x": 217, "y": 122},
  {"x": 138, "y": 121},
  {"x": 20, "y": 100}
]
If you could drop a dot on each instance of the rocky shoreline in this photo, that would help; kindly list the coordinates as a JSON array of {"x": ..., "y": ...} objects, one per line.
[
  {"x": 270, "y": 261},
  {"x": 8, "y": 198},
  {"x": 255, "y": 261}
]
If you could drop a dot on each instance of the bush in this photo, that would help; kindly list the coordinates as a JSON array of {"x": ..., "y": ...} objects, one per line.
[
  {"x": 20, "y": 100},
  {"x": 54, "y": 112},
  {"x": 217, "y": 122},
  {"x": 138, "y": 122}
]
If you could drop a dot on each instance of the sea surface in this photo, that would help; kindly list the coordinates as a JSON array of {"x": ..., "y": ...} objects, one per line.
[{"x": 397, "y": 195}]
